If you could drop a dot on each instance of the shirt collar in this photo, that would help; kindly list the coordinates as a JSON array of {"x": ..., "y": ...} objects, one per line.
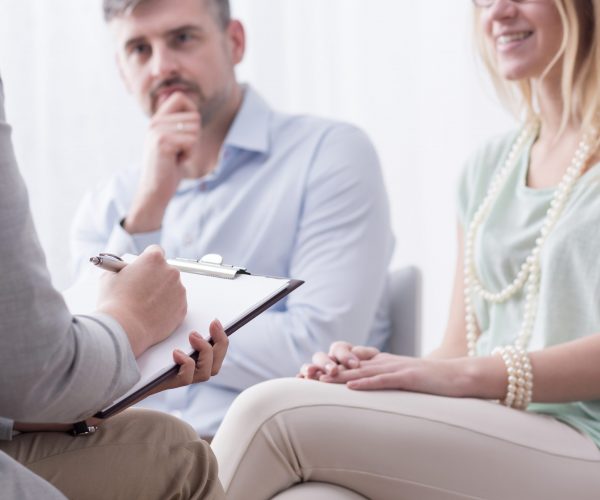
[
  {"x": 248, "y": 132},
  {"x": 250, "y": 128}
]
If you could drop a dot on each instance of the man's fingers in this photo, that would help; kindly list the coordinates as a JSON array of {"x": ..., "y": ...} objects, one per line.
[
  {"x": 220, "y": 345},
  {"x": 177, "y": 143},
  {"x": 209, "y": 359},
  {"x": 204, "y": 362},
  {"x": 177, "y": 122},
  {"x": 153, "y": 251},
  {"x": 185, "y": 375},
  {"x": 175, "y": 128},
  {"x": 177, "y": 102}
]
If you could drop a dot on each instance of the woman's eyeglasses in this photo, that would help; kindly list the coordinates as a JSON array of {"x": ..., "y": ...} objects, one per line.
[{"x": 489, "y": 3}]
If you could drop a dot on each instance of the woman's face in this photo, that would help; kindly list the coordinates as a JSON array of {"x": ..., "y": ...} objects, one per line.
[{"x": 524, "y": 36}]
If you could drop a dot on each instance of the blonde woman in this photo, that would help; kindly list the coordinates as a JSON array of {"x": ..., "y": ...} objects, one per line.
[{"x": 509, "y": 406}]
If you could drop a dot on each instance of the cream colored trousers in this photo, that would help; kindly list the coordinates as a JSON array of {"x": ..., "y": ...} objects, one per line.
[
  {"x": 396, "y": 445},
  {"x": 138, "y": 454}
]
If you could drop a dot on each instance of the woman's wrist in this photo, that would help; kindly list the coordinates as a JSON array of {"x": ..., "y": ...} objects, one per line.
[{"x": 485, "y": 377}]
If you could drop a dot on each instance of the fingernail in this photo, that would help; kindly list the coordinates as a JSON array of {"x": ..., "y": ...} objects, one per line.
[
  {"x": 178, "y": 351},
  {"x": 353, "y": 363},
  {"x": 197, "y": 336},
  {"x": 218, "y": 323}
]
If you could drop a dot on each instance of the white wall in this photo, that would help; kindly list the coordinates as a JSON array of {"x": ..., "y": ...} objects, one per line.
[{"x": 403, "y": 70}]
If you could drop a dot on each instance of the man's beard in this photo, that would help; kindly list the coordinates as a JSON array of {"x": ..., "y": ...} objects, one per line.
[{"x": 192, "y": 90}]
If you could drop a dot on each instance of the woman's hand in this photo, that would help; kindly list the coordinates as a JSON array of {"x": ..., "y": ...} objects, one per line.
[
  {"x": 458, "y": 377},
  {"x": 341, "y": 356}
]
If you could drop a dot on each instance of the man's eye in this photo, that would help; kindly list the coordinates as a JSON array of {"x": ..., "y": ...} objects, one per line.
[
  {"x": 183, "y": 37},
  {"x": 141, "y": 49}
]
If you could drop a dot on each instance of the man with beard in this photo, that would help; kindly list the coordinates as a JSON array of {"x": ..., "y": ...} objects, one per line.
[{"x": 223, "y": 173}]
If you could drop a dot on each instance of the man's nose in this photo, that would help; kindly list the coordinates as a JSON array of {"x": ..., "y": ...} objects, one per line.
[{"x": 164, "y": 62}]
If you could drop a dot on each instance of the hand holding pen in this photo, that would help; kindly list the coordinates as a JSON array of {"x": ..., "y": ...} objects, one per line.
[
  {"x": 148, "y": 300},
  {"x": 156, "y": 289}
]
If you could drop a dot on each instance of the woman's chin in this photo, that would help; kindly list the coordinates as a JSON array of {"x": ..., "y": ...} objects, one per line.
[{"x": 515, "y": 74}]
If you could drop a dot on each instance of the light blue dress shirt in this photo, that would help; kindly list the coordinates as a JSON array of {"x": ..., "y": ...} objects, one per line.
[{"x": 293, "y": 196}]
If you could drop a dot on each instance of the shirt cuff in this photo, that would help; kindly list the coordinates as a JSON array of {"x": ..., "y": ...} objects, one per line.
[
  {"x": 121, "y": 242},
  {"x": 6, "y": 429}
]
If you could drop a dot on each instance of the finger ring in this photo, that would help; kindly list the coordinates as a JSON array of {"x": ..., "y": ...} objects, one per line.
[{"x": 180, "y": 126}]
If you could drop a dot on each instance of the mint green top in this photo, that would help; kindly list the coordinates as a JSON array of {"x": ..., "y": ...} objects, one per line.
[{"x": 569, "y": 296}]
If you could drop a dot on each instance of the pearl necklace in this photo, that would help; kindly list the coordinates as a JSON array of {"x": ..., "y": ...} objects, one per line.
[{"x": 529, "y": 271}]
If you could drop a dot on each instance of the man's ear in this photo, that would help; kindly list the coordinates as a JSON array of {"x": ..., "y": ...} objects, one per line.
[
  {"x": 237, "y": 40},
  {"x": 122, "y": 73}
]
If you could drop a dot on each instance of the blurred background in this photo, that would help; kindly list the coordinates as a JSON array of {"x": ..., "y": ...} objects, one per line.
[{"x": 405, "y": 71}]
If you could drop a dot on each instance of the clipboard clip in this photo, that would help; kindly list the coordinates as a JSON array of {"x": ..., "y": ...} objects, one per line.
[{"x": 209, "y": 265}]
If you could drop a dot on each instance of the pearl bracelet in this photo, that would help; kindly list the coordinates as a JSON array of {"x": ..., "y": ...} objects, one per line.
[{"x": 519, "y": 390}]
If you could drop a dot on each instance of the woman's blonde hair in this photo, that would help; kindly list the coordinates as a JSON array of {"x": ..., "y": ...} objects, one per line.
[{"x": 580, "y": 53}]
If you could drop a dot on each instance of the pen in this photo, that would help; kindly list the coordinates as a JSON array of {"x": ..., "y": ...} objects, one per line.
[
  {"x": 108, "y": 262},
  {"x": 209, "y": 265}
]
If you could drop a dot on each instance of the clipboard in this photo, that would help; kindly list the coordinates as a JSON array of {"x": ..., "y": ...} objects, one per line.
[{"x": 214, "y": 290}]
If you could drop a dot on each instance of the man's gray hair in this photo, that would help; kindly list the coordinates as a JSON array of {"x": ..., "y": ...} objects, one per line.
[{"x": 116, "y": 8}]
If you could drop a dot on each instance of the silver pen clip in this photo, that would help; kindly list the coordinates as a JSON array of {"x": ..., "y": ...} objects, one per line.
[{"x": 209, "y": 265}]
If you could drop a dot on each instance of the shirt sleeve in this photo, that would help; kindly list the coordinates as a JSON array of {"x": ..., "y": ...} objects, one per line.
[
  {"x": 343, "y": 249},
  {"x": 53, "y": 366},
  {"x": 94, "y": 228},
  {"x": 6, "y": 429}
]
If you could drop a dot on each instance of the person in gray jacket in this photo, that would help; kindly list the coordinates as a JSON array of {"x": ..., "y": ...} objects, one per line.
[{"x": 56, "y": 367}]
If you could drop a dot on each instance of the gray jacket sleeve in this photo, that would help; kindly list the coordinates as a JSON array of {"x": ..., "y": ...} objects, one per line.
[{"x": 53, "y": 366}]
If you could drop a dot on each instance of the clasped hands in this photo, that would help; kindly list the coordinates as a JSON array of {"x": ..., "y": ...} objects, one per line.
[{"x": 366, "y": 368}]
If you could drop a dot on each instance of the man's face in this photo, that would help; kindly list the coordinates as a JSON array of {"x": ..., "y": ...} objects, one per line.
[{"x": 165, "y": 46}]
